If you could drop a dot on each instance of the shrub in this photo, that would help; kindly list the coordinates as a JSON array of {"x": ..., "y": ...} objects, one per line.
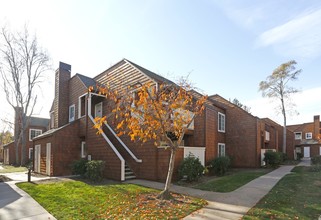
[
  {"x": 79, "y": 167},
  {"x": 316, "y": 160},
  {"x": 273, "y": 159},
  {"x": 191, "y": 168},
  {"x": 94, "y": 170},
  {"x": 284, "y": 157},
  {"x": 220, "y": 165}
]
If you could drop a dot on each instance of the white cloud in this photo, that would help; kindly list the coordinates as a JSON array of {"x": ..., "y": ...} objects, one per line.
[
  {"x": 308, "y": 104},
  {"x": 300, "y": 37}
]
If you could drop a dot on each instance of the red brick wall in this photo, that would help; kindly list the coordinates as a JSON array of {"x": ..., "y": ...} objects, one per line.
[
  {"x": 99, "y": 149},
  {"x": 163, "y": 162}
]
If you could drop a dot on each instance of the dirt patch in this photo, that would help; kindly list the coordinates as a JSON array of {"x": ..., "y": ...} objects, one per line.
[
  {"x": 317, "y": 183},
  {"x": 53, "y": 180},
  {"x": 4, "y": 179}
]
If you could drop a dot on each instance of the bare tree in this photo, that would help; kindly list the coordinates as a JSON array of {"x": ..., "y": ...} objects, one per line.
[
  {"x": 276, "y": 86},
  {"x": 242, "y": 106},
  {"x": 22, "y": 64}
]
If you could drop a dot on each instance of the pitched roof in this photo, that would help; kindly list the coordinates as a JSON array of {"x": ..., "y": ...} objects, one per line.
[
  {"x": 41, "y": 122},
  {"x": 87, "y": 81},
  {"x": 154, "y": 76}
]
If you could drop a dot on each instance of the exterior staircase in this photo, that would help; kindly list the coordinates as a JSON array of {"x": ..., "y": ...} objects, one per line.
[{"x": 129, "y": 174}]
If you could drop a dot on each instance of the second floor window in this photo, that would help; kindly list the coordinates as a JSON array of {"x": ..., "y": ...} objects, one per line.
[
  {"x": 221, "y": 122},
  {"x": 34, "y": 133},
  {"x": 308, "y": 135},
  {"x": 71, "y": 113},
  {"x": 298, "y": 135}
]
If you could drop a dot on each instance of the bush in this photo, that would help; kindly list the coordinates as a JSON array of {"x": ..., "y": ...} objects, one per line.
[
  {"x": 79, "y": 167},
  {"x": 220, "y": 165},
  {"x": 191, "y": 169},
  {"x": 284, "y": 157},
  {"x": 316, "y": 160},
  {"x": 273, "y": 159},
  {"x": 94, "y": 170}
]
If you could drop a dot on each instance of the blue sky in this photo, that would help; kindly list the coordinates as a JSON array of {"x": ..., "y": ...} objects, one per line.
[{"x": 226, "y": 47}]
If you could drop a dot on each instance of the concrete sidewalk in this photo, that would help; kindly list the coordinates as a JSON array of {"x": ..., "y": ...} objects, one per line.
[
  {"x": 16, "y": 204},
  {"x": 231, "y": 205}
]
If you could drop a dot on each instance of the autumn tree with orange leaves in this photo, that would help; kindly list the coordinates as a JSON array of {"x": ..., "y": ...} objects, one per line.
[{"x": 160, "y": 113}]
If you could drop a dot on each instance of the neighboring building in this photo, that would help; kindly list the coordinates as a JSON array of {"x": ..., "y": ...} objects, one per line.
[
  {"x": 249, "y": 137},
  {"x": 35, "y": 127},
  {"x": 307, "y": 137}
]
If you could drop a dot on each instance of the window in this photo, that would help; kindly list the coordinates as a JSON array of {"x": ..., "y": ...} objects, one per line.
[
  {"x": 267, "y": 135},
  {"x": 221, "y": 122},
  {"x": 71, "y": 113},
  {"x": 308, "y": 135},
  {"x": 83, "y": 149},
  {"x": 52, "y": 119},
  {"x": 298, "y": 135},
  {"x": 34, "y": 133},
  {"x": 221, "y": 150},
  {"x": 30, "y": 153}
]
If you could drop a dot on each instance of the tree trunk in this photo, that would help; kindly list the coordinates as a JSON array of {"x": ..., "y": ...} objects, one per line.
[
  {"x": 23, "y": 147},
  {"x": 165, "y": 194},
  {"x": 284, "y": 128},
  {"x": 16, "y": 146}
]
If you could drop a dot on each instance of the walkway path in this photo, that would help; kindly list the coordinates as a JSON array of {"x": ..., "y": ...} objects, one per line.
[
  {"x": 16, "y": 204},
  {"x": 231, "y": 205}
]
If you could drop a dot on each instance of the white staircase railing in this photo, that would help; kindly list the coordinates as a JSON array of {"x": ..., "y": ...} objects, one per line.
[
  {"x": 123, "y": 144},
  {"x": 122, "y": 161}
]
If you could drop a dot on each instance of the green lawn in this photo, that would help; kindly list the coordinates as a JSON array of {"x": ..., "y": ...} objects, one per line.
[
  {"x": 12, "y": 169},
  {"x": 296, "y": 196},
  {"x": 78, "y": 200},
  {"x": 232, "y": 181}
]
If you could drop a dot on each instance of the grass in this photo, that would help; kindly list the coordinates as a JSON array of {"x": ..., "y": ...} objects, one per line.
[
  {"x": 296, "y": 196},
  {"x": 232, "y": 181},
  {"x": 12, "y": 169},
  {"x": 78, "y": 200}
]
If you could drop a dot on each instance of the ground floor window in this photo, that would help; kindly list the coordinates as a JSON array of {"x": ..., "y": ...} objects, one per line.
[
  {"x": 30, "y": 153},
  {"x": 83, "y": 149},
  {"x": 221, "y": 150}
]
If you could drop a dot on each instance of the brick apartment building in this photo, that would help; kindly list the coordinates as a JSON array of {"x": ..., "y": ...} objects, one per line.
[
  {"x": 223, "y": 129},
  {"x": 307, "y": 137},
  {"x": 35, "y": 126}
]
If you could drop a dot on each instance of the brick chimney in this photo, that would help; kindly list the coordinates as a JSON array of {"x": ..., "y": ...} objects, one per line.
[
  {"x": 61, "y": 107},
  {"x": 316, "y": 126}
]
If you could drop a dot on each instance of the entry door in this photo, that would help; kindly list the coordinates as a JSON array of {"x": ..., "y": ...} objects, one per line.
[
  {"x": 99, "y": 110},
  {"x": 48, "y": 158},
  {"x": 320, "y": 151},
  {"x": 306, "y": 152},
  {"x": 37, "y": 158}
]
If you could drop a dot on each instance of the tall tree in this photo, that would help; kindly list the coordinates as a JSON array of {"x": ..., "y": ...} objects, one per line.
[
  {"x": 158, "y": 113},
  {"x": 22, "y": 65},
  {"x": 277, "y": 86}
]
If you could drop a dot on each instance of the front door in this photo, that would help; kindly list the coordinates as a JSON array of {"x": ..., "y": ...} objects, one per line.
[
  {"x": 306, "y": 151},
  {"x": 37, "y": 158},
  {"x": 99, "y": 110},
  {"x": 48, "y": 158}
]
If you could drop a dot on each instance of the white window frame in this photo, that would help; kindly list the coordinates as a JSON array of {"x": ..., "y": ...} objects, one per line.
[
  {"x": 297, "y": 133},
  {"x": 79, "y": 106},
  {"x": 221, "y": 146},
  {"x": 221, "y": 128},
  {"x": 308, "y": 135},
  {"x": 36, "y": 130},
  {"x": 72, "y": 117},
  {"x": 30, "y": 153},
  {"x": 52, "y": 119},
  {"x": 83, "y": 149},
  {"x": 267, "y": 136}
]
